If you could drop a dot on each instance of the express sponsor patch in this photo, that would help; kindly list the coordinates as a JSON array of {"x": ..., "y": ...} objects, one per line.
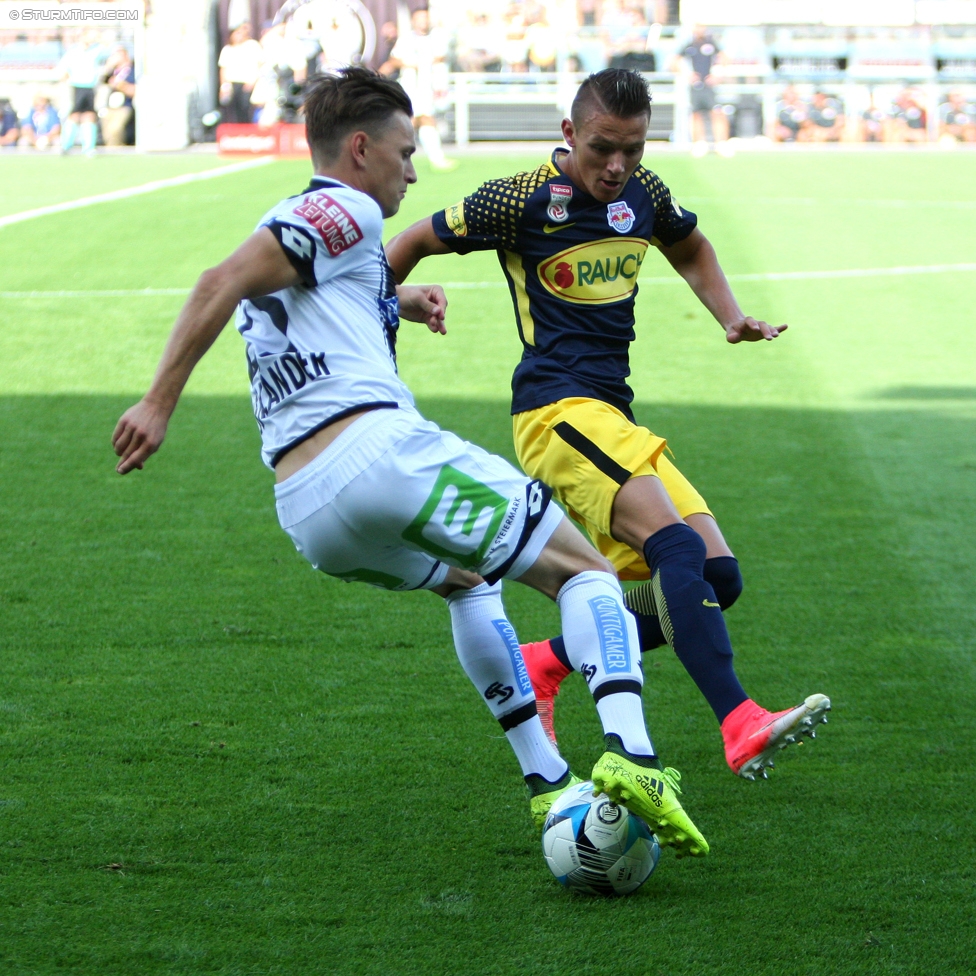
[{"x": 331, "y": 220}]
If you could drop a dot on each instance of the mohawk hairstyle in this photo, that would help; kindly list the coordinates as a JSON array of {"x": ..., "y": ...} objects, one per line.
[
  {"x": 352, "y": 98},
  {"x": 614, "y": 91}
]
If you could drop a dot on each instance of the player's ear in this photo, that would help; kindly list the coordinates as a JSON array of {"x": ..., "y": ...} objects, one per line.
[
  {"x": 569, "y": 133},
  {"x": 358, "y": 146}
]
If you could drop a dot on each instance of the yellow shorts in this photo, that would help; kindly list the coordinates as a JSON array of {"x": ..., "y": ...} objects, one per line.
[{"x": 585, "y": 450}]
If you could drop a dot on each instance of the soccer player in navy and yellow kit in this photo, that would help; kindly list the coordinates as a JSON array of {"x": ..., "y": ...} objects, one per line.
[{"x": 571, "y": 238}]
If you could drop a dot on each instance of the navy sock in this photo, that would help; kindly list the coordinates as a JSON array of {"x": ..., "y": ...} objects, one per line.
[
  {"x": 649, "y": 630},
  {"x": 691, "y": 617},
  {"x": 640, "y": 602},
  {"x": 558, "y": 646},
  {"x": 722, "y": 572}
]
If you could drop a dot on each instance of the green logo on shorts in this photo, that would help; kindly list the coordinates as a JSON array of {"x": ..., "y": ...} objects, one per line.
[{"x": 459, "y": 520}]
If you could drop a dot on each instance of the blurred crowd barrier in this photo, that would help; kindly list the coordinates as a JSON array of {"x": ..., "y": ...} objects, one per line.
[{"x": 859, "y": 71}]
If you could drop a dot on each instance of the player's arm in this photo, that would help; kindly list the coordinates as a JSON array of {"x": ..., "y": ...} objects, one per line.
[
  {"x": 411, "y": 246},
  {"x": 695, "y": 260},
  {"x": 258, "y": 267}
]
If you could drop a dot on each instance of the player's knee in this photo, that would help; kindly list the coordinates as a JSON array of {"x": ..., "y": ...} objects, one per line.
[
  {"x": 723, "y": 574},
  {"x": 570, "y": 565},
  {"x": 566, "y": 555}
]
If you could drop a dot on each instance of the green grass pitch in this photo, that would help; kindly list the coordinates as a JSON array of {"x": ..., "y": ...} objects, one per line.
[{"x": 215, "y": 761}]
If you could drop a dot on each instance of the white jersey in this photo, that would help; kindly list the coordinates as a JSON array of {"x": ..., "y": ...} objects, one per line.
[{"x": 327, "y": 347}]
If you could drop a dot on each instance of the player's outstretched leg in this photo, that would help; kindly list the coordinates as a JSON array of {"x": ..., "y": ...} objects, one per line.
[
  {"x": 601, "y": 643},
  {"x": 549, "y": 666},
  {"x": 489, "y": 653},
  {"x": 692, "y": 622}
]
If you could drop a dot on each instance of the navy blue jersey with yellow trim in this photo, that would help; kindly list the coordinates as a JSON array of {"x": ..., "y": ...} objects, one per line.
[{"x": 572, "y": 264}]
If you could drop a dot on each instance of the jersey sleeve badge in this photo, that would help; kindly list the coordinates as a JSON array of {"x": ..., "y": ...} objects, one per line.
[
  {"x": 620, "y": 217},
  {"x": 454, "y": 218},
  {"x": 338, "y": 229},
  {"x": 559, "y": 198}
]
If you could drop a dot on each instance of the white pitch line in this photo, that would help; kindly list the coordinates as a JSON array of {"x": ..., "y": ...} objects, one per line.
[
  {"x": 853, "y": 273},
  {"x": 838, "y": 201},
  {"x": 108, "y": 293},
  {"x": 134, "y": 191},
  {"x": 772, "y": 275},
  {"x": 462, "y": 285}
]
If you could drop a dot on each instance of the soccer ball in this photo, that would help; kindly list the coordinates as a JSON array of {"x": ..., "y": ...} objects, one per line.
[{"x": 596, "y": 846}]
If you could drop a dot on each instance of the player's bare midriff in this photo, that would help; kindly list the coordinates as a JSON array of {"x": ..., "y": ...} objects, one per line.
[{"x": 310, "y": 449}]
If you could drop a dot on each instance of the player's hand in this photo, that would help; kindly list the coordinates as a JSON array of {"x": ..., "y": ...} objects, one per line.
[
  {"x": 750, "y": 330},
  {"x": 424, "y": 303},
  {"x": 138, "y": 434}
]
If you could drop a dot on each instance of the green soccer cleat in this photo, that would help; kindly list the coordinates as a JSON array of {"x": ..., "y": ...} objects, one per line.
[
  {"x": 539, "y": 803},
  {"x": 652, "y": 795}
]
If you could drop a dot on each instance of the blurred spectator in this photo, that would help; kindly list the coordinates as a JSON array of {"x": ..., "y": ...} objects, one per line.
[
  {"x": 629, "y": 45},
  {"x": 791, "y": 113},
  {"x": 540, "y": 39},
  {"x": 873, "y": 123},
  {"x": 957, "y": 118},
  {"x": 708, "y": 125},
  {"x": 420, "y": 58},
  {"x": 587, "y": 12},
  {"x": 283, "y": 70},
  {"x": 616, "y": 14},
  {"x": 41, "y": 126},
  {"x": 240, "y": 65},
  {"x": 385, "y": 42},
  {"x": 824, "y": 121},
  {"x": 479, "y": 44},
  {"x": 908, "y": 121},
  {"x": 82, "y": 67},
  {"x": 515, "y": 51},
  {"x": 122, "y": 88},
  {"x": 9, "y": 124}
]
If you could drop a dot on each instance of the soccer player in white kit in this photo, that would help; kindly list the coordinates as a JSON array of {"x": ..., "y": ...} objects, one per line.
[{"x": 368, "y": 489}]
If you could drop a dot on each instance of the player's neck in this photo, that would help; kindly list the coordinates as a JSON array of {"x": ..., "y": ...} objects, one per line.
[
  {"x": 566, "y": 163},
  {"x": 340, "y": 172}
]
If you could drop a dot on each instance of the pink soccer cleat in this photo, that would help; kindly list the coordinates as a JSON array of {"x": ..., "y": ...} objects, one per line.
[
  {"x": 753, "y": 736},
  {"x": 546, "y": 672}
]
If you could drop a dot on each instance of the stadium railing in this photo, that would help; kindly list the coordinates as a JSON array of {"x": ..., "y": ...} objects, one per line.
[
  {"x": 501, "y": 106},
  {"x": 513, "y": 107}
]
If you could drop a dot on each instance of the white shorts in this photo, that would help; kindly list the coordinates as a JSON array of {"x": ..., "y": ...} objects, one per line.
[{"x": 394, "y": 501}]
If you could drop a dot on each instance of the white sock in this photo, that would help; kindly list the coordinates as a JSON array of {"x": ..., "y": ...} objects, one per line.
[
  {"x": 623, "y": 715},
  {"x": 89, "y": 136},
  {"x": 68, "y": 134},
  {"x": 430, "y": 140},
  {"x": 489, "y": 653},
  {"x": 602, "y": 644},
  {"x": 535, "y": 752}
]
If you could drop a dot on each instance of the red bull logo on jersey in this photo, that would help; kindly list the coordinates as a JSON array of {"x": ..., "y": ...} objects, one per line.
[
  {"x": 595, "y": 273},
  {"x": 620, "y": 217},
  {"x": 331, "y": 220}
]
